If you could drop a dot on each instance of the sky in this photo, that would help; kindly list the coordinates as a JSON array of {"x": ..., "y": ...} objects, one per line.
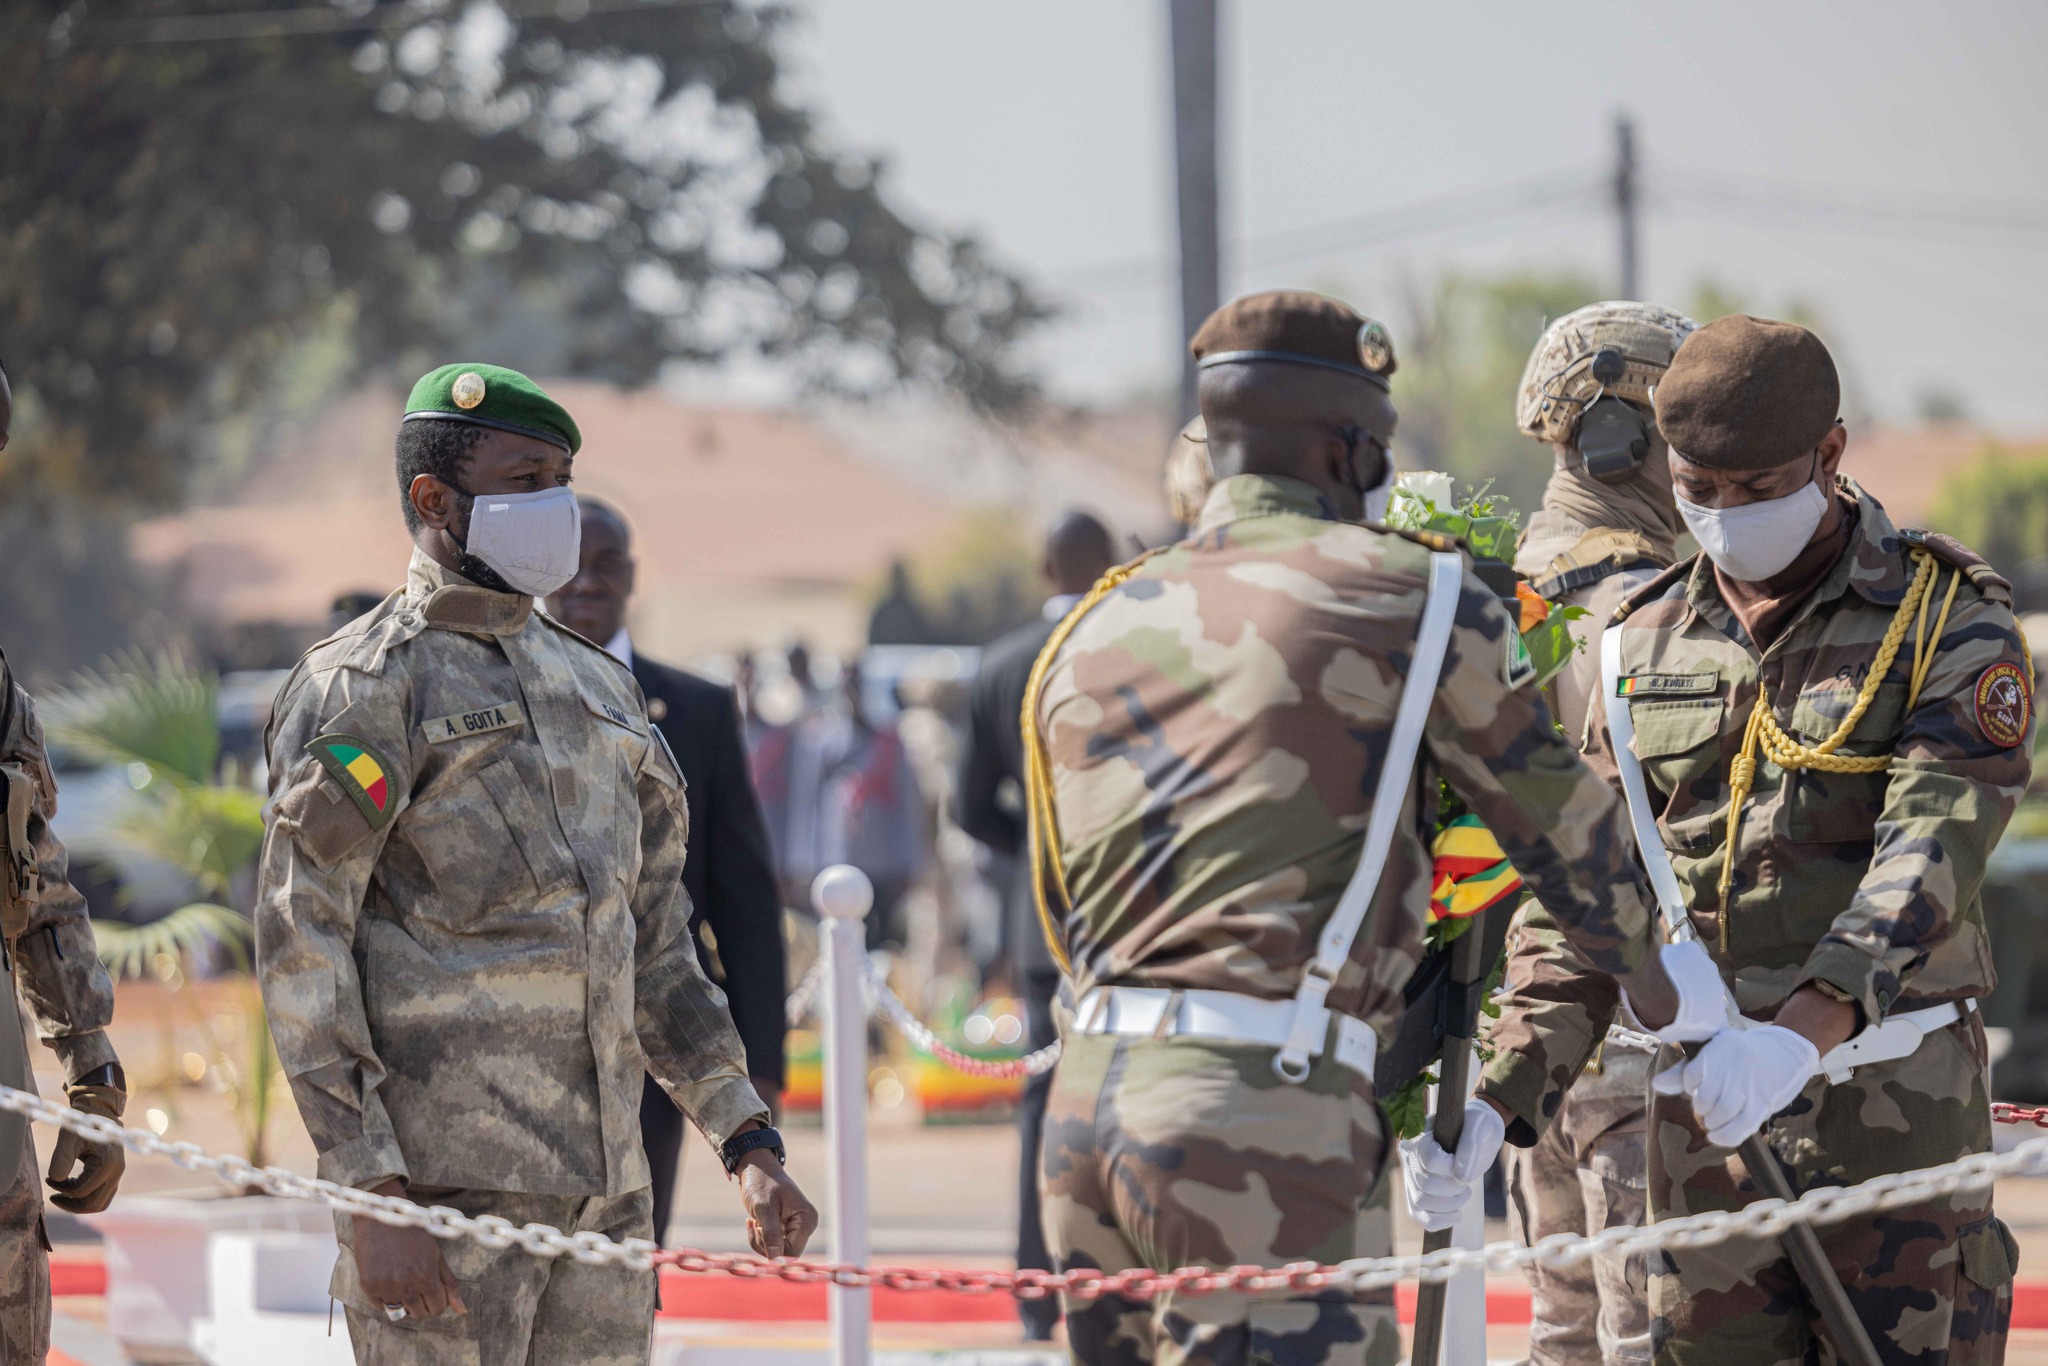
[{"x": 1883, "y": 163}]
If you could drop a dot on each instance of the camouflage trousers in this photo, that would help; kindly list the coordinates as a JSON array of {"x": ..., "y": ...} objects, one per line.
[
  {"x": 1588, "y": 1172},
  {"x": 539, "y": 1311},
  {"x": 24, "y": 1263},
  {"x": 1931, "y": 1282},
  {"x": 1171, "y": 1152}
]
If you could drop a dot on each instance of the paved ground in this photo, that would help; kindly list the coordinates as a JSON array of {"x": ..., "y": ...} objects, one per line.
[{"x": 939, "y": 1195}]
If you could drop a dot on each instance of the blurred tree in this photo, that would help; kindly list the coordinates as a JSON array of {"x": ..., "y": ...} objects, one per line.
[
  {"x": 1941, "y": 405},
  {"x": 1998, "y": 506},
  {"x": 975, "y": 578},
  {"x": 1461, "y": 357},
  {"x": 156, "y": 717},
  {"x": 191, "y": 188}
]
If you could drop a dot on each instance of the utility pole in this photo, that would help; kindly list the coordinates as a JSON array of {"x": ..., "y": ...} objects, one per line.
[
  {"x": 1625, "y": 194},
  {"x": 1193, "y": 31}
]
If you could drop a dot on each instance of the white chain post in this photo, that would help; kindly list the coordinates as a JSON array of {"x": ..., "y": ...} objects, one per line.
[
  {"x": 842, "y": 895},
  {"x": 1464, "y": 1335}
]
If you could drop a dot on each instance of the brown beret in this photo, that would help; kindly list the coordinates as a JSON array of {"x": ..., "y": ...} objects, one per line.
[
  {"x": 1747, "y": 394},
  {"x": 1296, "y": 327}
]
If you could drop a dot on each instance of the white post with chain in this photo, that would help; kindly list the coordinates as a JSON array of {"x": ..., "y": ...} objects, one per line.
[
  {"x": 1464, "y": 1339},
  {"x": 842, "y": 895}
]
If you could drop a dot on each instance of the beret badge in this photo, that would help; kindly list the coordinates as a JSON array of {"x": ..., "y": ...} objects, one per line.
[
  {"x": 467, "y": 390},
  {"x": 1375, "y": 346}
]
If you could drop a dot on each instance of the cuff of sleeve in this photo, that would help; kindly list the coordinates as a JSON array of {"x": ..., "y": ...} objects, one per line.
[
  {"x": 83, "y": 1053},
  {"x": 1518, "y": 1082},
  {"x": 1852, "y": 975},
  {"x": 721, "y": 1112},
  {"x": 363, "y": 1162}
]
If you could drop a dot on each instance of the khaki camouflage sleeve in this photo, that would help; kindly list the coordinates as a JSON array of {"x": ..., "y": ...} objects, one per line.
[
  {"x": 1560, "y": 825},
  {"x": 61, "y": 976},
  {"x": 685, "y": 1027},
  {"x": 320, "y": 850},
  {"x": 1960, "y": 765},
  {"x": 1554, "y": 1011}
]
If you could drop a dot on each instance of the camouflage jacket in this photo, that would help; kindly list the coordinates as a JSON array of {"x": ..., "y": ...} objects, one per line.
[
  {"x": 1215, "y": 726},
  {"x": 1533, "y": 937},
  {"x": 1865, "y": 882},
  {"x": 57, "y": 968},
  {"x": 470, "y": 916}
]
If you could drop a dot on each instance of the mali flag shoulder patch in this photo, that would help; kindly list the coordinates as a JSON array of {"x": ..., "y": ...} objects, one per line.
[{"x": 362, "y": 774}]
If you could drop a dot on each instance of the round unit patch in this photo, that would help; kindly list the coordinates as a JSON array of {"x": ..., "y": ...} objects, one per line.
[
  {"x": 2003, "y": 707},
  {"x": 468, "y": 390}
]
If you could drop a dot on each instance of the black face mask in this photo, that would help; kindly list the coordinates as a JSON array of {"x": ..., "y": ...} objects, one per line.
[{"x": 468, "y": 565}]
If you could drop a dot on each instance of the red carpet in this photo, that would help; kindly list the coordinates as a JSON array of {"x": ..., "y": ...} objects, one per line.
[
  {"x": 71, "y": 1277},
  {"x": 725, "y": 1299}
]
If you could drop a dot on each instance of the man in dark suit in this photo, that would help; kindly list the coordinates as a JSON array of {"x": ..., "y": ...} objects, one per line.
[
  {"x": 991, "y": 792},
  {"x": 736, "y": 913}
]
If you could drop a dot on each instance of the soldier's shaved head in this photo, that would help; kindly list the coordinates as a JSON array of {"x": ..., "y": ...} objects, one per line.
[
  {"x": 1078, "y": 551},
  {"x": 1292, "y": 421},
  {"x": 598, "y": 513},
  {"x": 593, "y": 603}
]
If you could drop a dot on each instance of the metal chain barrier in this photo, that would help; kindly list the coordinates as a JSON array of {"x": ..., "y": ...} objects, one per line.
[
  {"x": 798, "y": 1008},
  {"x": 892, "y": 1007},
  {"x": 1764, "y": 1219},
  {"x": 914, "y": 1029},
  {"x": 2005, "y": 1112}
]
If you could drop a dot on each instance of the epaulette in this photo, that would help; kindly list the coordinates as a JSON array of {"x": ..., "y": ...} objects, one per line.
[
  {"x": 1988, "y": 581},
  {"x": 1432, "y": 540},
  {"x": 1655, "y": 588},
  {"x": 1597, "y": 555},
  {"x": 363, "y": 644}
]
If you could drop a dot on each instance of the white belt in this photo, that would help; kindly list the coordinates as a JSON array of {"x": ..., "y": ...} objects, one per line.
[
  {"x": 1898, "y": 1036},
  {"x": 1221, "y": 1015}
]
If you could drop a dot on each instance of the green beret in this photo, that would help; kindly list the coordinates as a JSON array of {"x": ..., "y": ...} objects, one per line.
[
  {"x": 492, "y": 396},
  {"x": 1295, "y": 327},
  {"x": 1748, "y": 394}
]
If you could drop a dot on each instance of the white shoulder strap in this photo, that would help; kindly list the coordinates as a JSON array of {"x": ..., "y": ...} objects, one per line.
[
  {"x": 1311, "y": 1018},
  {"x": 1621, "y": 737}
]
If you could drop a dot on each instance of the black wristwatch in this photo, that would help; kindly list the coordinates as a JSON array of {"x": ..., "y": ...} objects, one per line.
[{"x": 739, "y": 1145}]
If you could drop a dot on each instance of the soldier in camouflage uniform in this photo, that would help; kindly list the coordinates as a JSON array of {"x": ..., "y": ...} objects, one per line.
[
  {"x": 1607, "y": 526},
  {"x": 471, "y": 924},
  {"x": 1847, "y": 893},
  {"x": 57, "y": 971},
  {"x": 1213, "y": 729}
]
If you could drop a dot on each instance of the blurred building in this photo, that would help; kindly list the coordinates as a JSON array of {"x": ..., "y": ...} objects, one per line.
[{"x": 752, "y": 527}]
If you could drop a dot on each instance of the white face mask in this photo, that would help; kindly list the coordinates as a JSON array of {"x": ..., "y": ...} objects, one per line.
[
  {"x": 531, "y": 539},
  {"x": 1757, "y": 540}
]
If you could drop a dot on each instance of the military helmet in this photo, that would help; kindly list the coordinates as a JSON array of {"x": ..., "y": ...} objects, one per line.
[{"x": 1629, "y": 344}]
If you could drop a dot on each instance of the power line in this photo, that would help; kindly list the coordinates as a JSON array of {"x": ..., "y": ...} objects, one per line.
[
  {"x": 1718, "y": 192},
  {"x": 1288, "y": 246},
  {"x": 242, "y": 25}
]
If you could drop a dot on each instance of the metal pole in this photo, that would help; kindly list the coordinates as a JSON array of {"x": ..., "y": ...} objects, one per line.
[
  {"x": 1193, "y": 33},
  {"x": 842, "y": 895},
  {"x": 1625, "y": 195},
  {"x": 1816, "y": 1274}
]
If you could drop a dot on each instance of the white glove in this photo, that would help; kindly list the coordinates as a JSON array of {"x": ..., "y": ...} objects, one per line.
[
  {"x": 1741, "y": 1078},
  {"x": 1702, "y": 1000},
  {"x": 1437, "y": 1184}
]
